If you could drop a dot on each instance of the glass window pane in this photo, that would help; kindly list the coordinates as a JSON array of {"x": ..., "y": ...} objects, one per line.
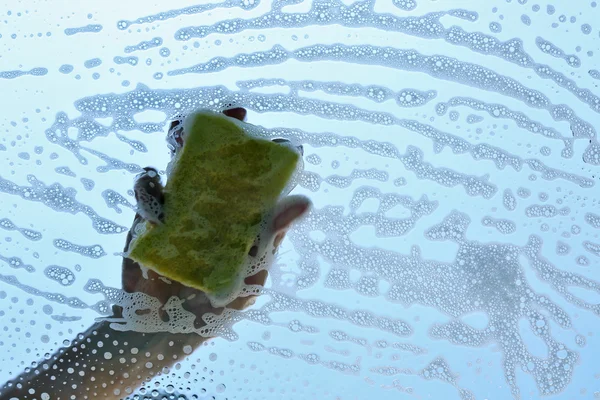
[{"x": 449, "y": 152}]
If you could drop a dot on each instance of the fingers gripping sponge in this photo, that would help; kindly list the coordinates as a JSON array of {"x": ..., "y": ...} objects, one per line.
[{"x": 222, "y": 184}]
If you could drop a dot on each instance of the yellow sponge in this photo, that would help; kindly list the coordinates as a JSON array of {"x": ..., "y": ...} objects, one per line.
[{"x": 222, "y": 183}]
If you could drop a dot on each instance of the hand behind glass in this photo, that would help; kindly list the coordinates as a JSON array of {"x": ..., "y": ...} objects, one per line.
[{"x": 156, "y": 285}]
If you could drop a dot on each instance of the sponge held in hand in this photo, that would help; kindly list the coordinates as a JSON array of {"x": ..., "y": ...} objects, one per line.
[{"x": 222, "y": 184}]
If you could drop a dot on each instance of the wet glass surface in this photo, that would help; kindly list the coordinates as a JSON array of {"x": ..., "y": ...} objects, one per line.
[{"x": 450, "y": 154}]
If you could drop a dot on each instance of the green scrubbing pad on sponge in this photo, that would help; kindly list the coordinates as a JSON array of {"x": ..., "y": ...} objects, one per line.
[{"x": 222, "y": 183}]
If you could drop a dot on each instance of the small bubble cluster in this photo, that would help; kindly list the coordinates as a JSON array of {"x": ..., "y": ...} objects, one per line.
[
  {"x": 495, "y": 27},
  {"x": 466, "y": 15},
  {"x": 509, "y": 200},
  {"x": 94, "y": 251},
  {"x": 64, "y": 170},
  {"x": 92, "y": 63},
  {"x": 17, "y": 263},
  {"x": 18, "y": 73},
  {"x": 144, "y": 45},
  {"x": 593, "y": 248},
  {"x": 114, "y": 200},
  {"x": 88, "y": 184},
  {"x": 525, "y": 19},
  {"x": 344, "y": 182},
  {"x": 545, "y": 151},
  {"x": 591, "y": 155},
  {"x": 544, "y": 210},
  {"x": 91, "y": 28},
  {"x": 593, "y": 220},
  {"x": 549, "y": 48},
  {"x": 500, "y": 157},
  {"x": 30, "y": 234},
  {"x": 415, "y": 98},
  {"x": 474, "y": 119},
  {"x": 131, "y": 60},
  {"x": 523, "y": 192},
  {"x": 65, "y": 69},
  {"x": 62, "y": 275},
  {"x": 562, "y": 248},
  {"x": 405, "y": 5},
  {"x": 504, "y": 226},
  {"x": 582, "y": 261}
]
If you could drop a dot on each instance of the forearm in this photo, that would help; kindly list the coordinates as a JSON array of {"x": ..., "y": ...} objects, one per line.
[
  {"x": 102, "y": 363},
  {"x": 111, "y": 364}
]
